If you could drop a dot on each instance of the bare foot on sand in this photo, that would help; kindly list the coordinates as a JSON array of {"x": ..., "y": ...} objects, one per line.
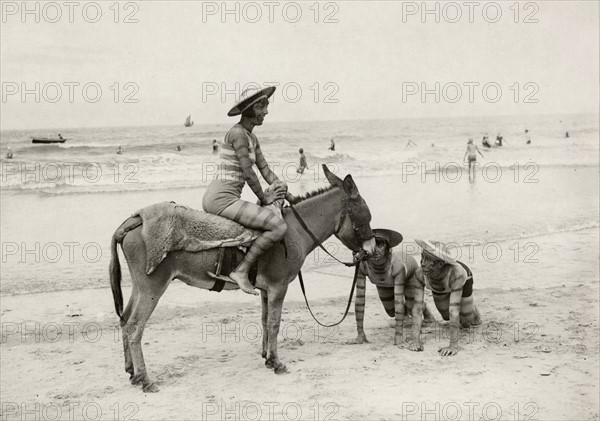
[{"x": 243, "y": 282}]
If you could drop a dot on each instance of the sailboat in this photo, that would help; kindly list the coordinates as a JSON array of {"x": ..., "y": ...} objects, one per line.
[{"x": 188, "y": 121}]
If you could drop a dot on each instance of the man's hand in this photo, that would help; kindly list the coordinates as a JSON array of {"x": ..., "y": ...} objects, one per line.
[
  {"x": 360, "y": 339},
  {"x": 448, "y": 351},
  {"x": 272, "y": 195}
]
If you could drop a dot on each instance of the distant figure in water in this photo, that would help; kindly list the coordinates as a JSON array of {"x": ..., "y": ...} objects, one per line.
[
  {"x": 433, "y": 145},
  {"x": 9, "y": 153},
  {"x": 303, "y": 163},
  {"x": 411, "y": 144},
  {"x": 471, "y": 152},
  {"x": 178, "y": 148},
  {"x": 119, "y": 150},
  {"x": 215, "y": 146},
  {"x": 528, "y": 137},
  {"x": 332, "y": 145},
  {"x": 567, "y": 134},
  {"x": 499, "y": 139},
  {"x": 60, "y": 136},
  {"x": 486, "y": 141}
]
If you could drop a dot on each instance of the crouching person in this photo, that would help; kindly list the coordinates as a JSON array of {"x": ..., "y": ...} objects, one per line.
[
  {"x": 451, "y": 284},
  {"x": 393, "y": 272}
]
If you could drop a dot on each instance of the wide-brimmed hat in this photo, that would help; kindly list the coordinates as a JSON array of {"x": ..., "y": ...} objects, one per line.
[
  {"x": 436, "y": 250},
  {"x": 393, "y": 238},
  {"x": 248, "y": 97}
]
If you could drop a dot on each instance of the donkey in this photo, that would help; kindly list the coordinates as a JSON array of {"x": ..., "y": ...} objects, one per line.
[{"x": 337, "y": 210}]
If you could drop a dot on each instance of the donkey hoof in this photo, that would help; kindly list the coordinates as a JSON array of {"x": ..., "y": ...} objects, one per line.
[
  {"x": 150, "y": 388},
  {"x": 264, "y": 355},
  {"x": 269, "y": 364},
  {"x": 282, "y": 369}
]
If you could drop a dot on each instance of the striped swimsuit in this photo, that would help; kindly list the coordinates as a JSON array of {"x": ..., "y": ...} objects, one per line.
[
  {"x": 441, "y": 297},
  {"x": 227, "y": 186},
  {"x": 223, "y": 197},
  {"x": 384, "y": 280}
]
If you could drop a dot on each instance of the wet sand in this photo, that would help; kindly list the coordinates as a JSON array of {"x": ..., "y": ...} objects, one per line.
[{"x": 534, "y": 357}]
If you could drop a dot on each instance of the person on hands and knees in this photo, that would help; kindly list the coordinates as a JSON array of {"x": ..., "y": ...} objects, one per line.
[
  {"x": 240, "y": 152},
  {"x": 451, "y": 284},
  {"x": 393, "y": 272}
]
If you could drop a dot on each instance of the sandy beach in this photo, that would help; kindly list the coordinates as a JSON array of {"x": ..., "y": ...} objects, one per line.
[{"x": 534, "y": 357}]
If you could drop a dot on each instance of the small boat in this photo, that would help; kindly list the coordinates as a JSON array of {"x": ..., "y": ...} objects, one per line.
[
  {"x": 188, "y": 121},
  {"x": 48, "y": 140}
]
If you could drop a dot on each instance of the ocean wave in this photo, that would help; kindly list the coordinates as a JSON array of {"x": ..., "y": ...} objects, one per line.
[
  {"x": 547, "y": 231},
  {"x": 67, "y": 190}
]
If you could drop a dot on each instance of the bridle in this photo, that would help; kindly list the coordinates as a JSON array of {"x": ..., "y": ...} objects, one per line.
[
  {"x": 359, "y": 216},
  {"x": 361, "y": 230}
]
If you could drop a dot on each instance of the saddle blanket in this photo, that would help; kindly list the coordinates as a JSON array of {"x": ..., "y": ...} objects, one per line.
[{"x": 168, "y": 227}]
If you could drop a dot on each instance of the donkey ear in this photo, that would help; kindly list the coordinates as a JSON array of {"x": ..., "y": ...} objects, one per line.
[
  {"x": 333, "y": 179},
  {"x": 350, "y": 188}
]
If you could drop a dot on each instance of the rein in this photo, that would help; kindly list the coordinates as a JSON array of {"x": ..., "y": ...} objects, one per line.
[
  {"x": 348, "y": 264},
  {"x": 303, "y": 224}
]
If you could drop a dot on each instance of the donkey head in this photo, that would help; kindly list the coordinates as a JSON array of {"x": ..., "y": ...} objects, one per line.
[{"x": 352, "y": 223}]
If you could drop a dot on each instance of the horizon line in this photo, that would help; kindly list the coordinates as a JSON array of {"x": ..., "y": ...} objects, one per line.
[{"x": 307, "y": 121}]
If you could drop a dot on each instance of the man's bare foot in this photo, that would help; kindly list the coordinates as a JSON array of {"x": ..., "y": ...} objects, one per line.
[
  {"x": 243, "y": 282},
  {"x": 360, "y": 339}
]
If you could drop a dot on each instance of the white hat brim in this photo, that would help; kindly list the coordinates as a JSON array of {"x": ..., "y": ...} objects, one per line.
[
  {"x": 237, "y": 108},
  {"x": 436, "y": 250}
]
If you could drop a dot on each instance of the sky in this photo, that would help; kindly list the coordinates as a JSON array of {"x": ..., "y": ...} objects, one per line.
[{"x": 94, "y": 64}]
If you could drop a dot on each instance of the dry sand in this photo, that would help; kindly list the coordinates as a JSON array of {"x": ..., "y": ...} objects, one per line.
[{"x": 535, "y": 357}]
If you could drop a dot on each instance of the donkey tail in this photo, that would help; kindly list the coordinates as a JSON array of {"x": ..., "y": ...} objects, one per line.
[{"x": 115, "y": 274}]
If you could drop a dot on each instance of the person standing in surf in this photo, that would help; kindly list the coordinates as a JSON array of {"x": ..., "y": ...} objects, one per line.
[
  {"x": 303, "y": 165},
  {"x": 240, "y": 151},
  {"x": 471, "y": 151}
]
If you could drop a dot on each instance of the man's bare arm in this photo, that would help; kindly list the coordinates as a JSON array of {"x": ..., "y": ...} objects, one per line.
[
  {"x": 399, "y": 281},
  {"x": 263, "y": 166},
  {"x": 457, "y": 281},
  {"x": 417, "y": 290},
  {"x": 240, "y": 145},
  {"x": 359, "y": 308}
]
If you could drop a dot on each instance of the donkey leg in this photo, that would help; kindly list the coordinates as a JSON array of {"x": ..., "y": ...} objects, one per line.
[
  {"x": 142, "y": 310},
  {"x": 275, "y": 302},
  {"x": 265, "y": 313},
  {"x": 123, "y": 321}
]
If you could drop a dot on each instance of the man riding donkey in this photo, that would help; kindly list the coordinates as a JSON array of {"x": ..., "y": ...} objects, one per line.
[{"x": 240, "y": 150}]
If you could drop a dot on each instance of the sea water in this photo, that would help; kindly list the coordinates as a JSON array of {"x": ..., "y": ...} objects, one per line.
[{"x": 539, "y": 202}]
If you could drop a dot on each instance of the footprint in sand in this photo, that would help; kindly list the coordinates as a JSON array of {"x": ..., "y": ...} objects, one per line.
[{"x": 226, "y": 357}]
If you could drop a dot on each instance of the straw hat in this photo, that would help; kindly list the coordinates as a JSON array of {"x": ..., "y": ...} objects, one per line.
[
  {"x": 248, "y": 98},
  {"x": 436, "y": 250},
  {"x": 393, "y": 238}
]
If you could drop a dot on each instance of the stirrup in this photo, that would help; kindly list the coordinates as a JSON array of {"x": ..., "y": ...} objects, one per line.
[{"x": 224, "y": 278}]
